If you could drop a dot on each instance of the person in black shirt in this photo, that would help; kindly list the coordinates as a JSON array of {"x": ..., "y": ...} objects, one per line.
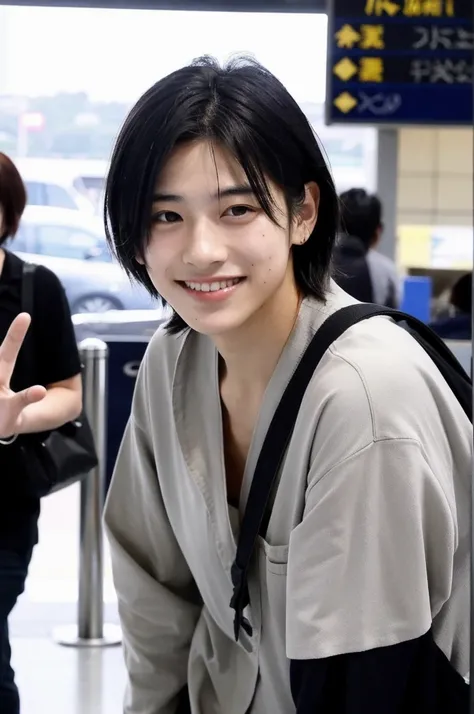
[
  {"x": 363, "y": 272},
  {"x": 29, "y": 403}
]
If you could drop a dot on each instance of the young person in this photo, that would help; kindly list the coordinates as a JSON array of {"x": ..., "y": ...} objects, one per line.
[
  {"x": 365, "y": 273},
  {"x": 30, "y": 403},
  {"x": 219, "y": 200}
]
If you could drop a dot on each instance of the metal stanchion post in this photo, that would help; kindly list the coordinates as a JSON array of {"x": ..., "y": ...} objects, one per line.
[{"x": 90, "y": 630}]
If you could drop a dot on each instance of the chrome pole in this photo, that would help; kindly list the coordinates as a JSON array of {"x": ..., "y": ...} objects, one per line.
[{"x": 90, "y": 630}]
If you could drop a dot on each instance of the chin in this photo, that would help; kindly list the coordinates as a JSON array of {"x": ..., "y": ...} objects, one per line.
[{"x": 218, "y": 324}]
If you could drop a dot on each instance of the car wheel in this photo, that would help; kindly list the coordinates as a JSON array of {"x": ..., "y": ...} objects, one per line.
[{"x": 96, "y": 303}]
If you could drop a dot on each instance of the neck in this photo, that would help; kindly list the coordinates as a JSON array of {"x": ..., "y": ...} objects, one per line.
[{"x": 250, "y": 355}]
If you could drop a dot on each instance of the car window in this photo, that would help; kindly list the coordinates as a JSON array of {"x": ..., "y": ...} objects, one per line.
[
  {"x": 48, "y": 194},
  {"x": 66, "y": 242},
  {"x": 35, "y": 193},
  {"x": 20, "y": 241},
  {"x": 58, "y": 196}
]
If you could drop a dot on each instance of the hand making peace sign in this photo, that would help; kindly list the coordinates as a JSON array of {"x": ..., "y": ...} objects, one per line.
[{"x": 12, "y": 404}]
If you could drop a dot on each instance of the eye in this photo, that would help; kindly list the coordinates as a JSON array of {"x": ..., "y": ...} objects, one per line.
[
  {"x": 239, "y": 211},
  {"x": 166, "y": 217}
]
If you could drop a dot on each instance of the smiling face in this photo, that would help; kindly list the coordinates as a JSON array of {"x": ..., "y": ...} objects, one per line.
[{"x": 213, "y": 254}]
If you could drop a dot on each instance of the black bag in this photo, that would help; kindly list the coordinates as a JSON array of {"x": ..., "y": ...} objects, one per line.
[
  {"x": 258, "y": 510},
  {"x": 52, "y": 460}
]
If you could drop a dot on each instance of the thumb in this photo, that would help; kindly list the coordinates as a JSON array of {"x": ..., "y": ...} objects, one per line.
[{"x": 29, "y": 396}]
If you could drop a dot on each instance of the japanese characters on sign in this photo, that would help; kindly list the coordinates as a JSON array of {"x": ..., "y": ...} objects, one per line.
[
  {"x": 411, "y": 8},
  {"x": 401, "y": 62}
]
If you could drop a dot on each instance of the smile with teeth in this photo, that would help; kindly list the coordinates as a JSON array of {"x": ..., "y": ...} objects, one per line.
[{"x": 212, "y": 287}]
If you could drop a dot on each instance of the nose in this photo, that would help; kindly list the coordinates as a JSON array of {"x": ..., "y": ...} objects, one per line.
[{"x": 205, "y": 246}]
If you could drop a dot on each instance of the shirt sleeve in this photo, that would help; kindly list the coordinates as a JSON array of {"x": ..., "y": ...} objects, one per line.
[
  {"x": 413, "y": 676},
  {"x": 158, "y": 601},
  {"x": 370, "y": 565},
  {"x": 56, "y": 352}
]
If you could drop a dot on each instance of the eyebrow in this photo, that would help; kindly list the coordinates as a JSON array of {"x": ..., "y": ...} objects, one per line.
[{"x": 243, "y": 190}]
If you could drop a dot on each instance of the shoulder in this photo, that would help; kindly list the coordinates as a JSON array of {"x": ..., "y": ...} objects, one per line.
[
  {"x": 396, "y": 376},
  {"x": 376, "y": 383},
  {"x": 163, "y": 351},
  {"x": 381, "y": 262},
  {"x": 156, "y": 374},
  {"x": 46, "y": 280}
]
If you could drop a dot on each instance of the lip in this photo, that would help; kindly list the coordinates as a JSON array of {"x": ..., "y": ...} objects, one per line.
[
  {"x": 211, "y": 279},
  {"x": 215, "y": 295}
]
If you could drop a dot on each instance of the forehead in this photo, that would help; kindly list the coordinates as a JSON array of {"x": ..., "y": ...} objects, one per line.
[{"x": 201, "y": 166}]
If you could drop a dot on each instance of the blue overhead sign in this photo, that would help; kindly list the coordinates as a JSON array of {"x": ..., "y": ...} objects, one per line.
[{"x": 404, "y": 62}]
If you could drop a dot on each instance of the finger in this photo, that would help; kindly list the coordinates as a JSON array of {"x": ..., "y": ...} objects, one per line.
[
  {"x": 28, "y": 396},
  {"x": 11, "y": 345}
]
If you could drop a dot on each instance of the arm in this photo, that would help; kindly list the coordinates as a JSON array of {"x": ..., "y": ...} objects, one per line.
[
  {"x": 61, "y": 403},
  {"x": 377, "y": 544},
  {"x": 38, "y": 408},
  {"x": 55, "y": 359},
  {"x": 158, "y": 602}
]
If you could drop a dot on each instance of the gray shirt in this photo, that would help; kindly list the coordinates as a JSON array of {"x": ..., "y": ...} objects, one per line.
[
  {"x": 367, "y": 545},
  {"x": 385, "y": 279}
]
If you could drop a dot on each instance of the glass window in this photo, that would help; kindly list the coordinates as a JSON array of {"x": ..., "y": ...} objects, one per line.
[
  {"x": 48, "y": 194},
  {"x": 36, "y": 194},
  {"x": 58, "y": 196},
  {"x": 22, "y": 240},
  {"x": 65, "y": 242},
  {"x": 349, "y": 152}
]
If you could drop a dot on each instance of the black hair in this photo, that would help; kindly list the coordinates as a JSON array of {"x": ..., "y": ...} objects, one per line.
[
  {"x": 243, "y": 108},
  {"x": 361, "y": 215},
  {"x": 461, "y": 294}
]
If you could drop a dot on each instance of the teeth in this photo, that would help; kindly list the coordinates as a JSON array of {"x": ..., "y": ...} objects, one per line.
[{"x": 212, "y": 287}]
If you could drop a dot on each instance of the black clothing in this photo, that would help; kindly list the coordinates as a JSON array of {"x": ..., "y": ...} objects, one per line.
[{"x": 352, "y": 272}]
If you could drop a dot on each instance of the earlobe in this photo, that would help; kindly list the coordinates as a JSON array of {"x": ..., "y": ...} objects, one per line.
[{"x": 307, "y": 214}]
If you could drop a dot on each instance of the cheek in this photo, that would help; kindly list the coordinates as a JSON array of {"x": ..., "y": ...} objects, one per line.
[
  {"x": 270, "y": 255},
  {"x": 159, "y": 255}
]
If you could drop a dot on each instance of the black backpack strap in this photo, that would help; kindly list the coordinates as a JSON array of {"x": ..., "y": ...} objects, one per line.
[
  {"x": 27, "y": 305},
  {"x": 257, "y": 512},
  {"x": 27, "y": 288}
]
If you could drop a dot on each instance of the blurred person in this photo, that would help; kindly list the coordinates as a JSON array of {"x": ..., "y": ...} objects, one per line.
[
  {"x": 219, "y": 201},
  {"x": 363, "y": 272},
  {"x": 29, "y": 404},
  {"x": 457, "y": 325}
]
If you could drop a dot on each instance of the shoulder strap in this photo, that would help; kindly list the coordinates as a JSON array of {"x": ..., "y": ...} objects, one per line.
[
  {"x": 257, "y": 513},
  {"x": 27, "y": 288},
  {"x": 27, "y": 305}
]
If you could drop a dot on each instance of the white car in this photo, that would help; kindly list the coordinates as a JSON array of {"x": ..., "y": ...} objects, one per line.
[
  {"x": 73, "y": 246},
  {"x": 62, "y": 233},
  {"x": 55, "y": 183}
]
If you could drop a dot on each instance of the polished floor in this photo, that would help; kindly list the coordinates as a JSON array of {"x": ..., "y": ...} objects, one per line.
[{"x": 55, "y": 679}]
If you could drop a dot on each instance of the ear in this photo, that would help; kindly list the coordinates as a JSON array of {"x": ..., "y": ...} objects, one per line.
[
  {"x": 307, "y": 215},
  {"x": 377, "y": 236}
]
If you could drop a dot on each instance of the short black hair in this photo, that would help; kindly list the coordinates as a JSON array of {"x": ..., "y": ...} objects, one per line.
[
  {"x": 361, "y": 215},
  {"x": 461, "y": 294},
  {"x": 12, "y": 198},
  {"x": 243, "y": 108}
]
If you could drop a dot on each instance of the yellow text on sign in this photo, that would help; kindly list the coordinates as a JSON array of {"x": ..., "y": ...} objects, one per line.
[
  {"x": 411, "y": 8},
  {"x": 368, "y": 37},
  {"x": 369, "y": 69}
]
